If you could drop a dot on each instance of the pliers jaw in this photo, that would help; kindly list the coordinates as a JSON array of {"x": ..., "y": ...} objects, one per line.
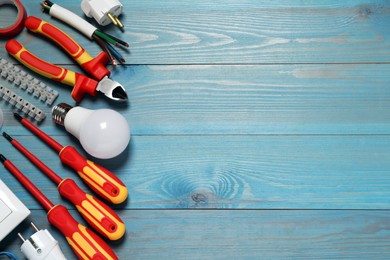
[{"x": 112, "y": 89}]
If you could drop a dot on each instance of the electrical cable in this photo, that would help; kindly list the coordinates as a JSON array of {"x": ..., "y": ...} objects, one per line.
[
  {"x": 105, "y": 48},
  {"x": 10, "y": 255},
  {"x": 123, "y": 43},
  {"x": 117, "y": 55},
  {"x": 84, "y": 27},
  {"x": 105, "y": 37}
]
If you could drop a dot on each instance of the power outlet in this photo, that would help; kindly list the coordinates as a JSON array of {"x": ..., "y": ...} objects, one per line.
[{"x": 12, "y": 210}]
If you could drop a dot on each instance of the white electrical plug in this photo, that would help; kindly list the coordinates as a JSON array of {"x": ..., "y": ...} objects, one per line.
[
  {"x": 103, "y": 11},
  {"x": 41, "y": 245}
]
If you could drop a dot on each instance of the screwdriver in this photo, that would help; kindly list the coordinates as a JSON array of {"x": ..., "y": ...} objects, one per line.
[
  {"x": 84, "y": 242},
  {"x": 99, "y": 179},
  {"x": 101, "y": 217}
]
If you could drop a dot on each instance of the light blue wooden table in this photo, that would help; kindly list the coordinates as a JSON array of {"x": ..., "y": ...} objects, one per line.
[{"x": 260, "y": 129}]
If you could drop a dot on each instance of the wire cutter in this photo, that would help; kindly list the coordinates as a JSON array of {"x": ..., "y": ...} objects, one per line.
[{"x": 81, "y": 84}]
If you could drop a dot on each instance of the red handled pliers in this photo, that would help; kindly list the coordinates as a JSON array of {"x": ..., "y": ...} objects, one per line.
[{"x": 81, "y": 84}]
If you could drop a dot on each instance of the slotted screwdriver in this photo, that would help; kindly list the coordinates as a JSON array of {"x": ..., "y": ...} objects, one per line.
[
  {"x": 84, "y": 242},
  {"x": 99, "y": 179},
  {"x": 101, "y": 217}
]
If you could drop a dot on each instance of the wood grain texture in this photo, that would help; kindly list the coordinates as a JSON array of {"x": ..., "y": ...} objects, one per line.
[
  {"x": 250, "y": 99},
  {"x": 265, "y": 172},
  {"x": 243, "y": 32},
  {"x": 256, "y": 234},
  {"x": 260, "y": 129}
]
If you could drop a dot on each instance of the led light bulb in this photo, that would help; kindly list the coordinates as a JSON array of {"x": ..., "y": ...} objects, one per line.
[{"x": 103, "y": 133}]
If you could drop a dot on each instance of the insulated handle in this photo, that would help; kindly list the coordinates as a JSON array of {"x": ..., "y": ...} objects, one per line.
[
  {"x": 48, "y": 70},
  {"x": 80, "y": 83},
  {"x": 102, "y": 218},
  {"x": 99, "y": 179},
  {"x": 94, "y": 66},
  {"x": 85, "y": 243}
]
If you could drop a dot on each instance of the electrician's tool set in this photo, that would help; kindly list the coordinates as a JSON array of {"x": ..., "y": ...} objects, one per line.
[{"x": 103, "y": 133}]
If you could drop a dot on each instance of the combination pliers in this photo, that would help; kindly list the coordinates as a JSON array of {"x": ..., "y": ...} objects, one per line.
[{"x": 96, "y": 67}]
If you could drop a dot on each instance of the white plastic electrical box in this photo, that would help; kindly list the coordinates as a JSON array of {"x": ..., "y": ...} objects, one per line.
[{"x": 12, "y": 210}]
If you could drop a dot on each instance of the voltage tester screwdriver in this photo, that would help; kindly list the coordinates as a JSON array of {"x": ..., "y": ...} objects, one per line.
[
  {"x": 101, "y": 217},
  {"x": 85, "y": 243},
  {"x": 99, "y": 179}
]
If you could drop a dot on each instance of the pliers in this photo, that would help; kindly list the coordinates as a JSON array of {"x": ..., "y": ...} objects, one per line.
[{"x": 81, "y": 84}]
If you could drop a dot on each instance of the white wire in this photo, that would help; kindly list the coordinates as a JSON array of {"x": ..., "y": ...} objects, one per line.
[{"x": 72, "y": 19}]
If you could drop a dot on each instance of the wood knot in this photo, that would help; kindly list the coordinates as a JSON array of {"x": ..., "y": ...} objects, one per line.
[
  {"x": 198, "y": 198},
  {"x": 364, "y": 11}
]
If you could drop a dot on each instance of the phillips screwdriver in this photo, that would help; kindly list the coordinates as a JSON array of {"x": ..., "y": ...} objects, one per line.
[
  {"x": 99, "y": 179},
  {"x": 101, "y": 217},
  {"x": 84, "y": 242}
]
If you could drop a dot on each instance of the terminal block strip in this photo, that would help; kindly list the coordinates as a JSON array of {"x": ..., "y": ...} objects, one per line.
[
  {"x": 27, "y": 82},
  {"x": 21, "y": 104}
]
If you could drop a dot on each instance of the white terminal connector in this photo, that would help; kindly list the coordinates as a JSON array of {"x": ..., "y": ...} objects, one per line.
[
  {"x": 41, "y": 245},
  {"x": 103, "y": 11}
]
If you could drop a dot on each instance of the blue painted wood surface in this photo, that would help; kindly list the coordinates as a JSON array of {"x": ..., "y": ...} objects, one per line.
[{"x": 259, "y": 129}]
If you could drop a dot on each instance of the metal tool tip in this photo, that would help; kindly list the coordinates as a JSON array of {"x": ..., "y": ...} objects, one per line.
[
  {"x": 9, "y": 138},
  {"x": 18, "y": 117},
  {"x": 2, "y": 158},
  {"x": 119, "y": 93}
]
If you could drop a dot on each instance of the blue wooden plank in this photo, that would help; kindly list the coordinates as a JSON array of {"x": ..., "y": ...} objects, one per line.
[
  {"x": 237, "y": 31},
  {"x": 265, "y": 136},
  {"x": 234, "y": 171},
  {"x": 242, "y": 234},
  {"x": 253, "y": 99}
]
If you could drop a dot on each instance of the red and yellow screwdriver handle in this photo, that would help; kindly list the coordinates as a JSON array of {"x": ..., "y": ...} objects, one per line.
[
  {"x": 94, "y": 66},
  {"x": 81, "y": 84},
  {"x": 85, "y": 243},
  {"x": 102, "y": 218},
  {"x": 101, "y": 180}
]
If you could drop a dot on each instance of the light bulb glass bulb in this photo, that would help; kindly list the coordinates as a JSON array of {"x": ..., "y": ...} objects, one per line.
[{"x": 103, "y": 133}]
